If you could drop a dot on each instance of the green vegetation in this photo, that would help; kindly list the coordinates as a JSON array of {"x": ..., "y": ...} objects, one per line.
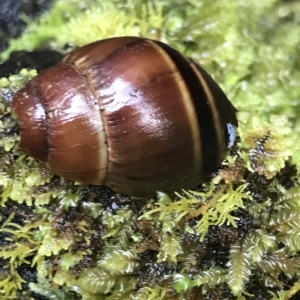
[{"x": 235, "y": 237}]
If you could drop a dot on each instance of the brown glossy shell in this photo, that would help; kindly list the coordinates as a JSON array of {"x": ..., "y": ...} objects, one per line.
[{"x": 131, "y": 113}]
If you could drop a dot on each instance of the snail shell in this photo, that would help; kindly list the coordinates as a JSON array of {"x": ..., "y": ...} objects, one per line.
[{"x": 130, "y": 113}]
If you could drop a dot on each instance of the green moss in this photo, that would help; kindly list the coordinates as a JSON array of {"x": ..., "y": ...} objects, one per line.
[
  {"x": 214, "y": 206},
  {"x": 19, "y": 248},
  {"x": 86, "y": 243}
]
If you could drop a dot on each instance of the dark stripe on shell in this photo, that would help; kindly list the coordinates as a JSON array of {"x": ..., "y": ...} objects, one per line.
[{"x": 210, "y": 151}]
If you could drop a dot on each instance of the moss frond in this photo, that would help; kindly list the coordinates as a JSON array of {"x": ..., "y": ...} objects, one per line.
[
  {"x": 44, "y": 288},
  {"x": 114, "y": 223},
  {"x": 170, "y": 248},
  {"x": 225, "y": 202},
  {"x": 10, "y": 284},
  {"x": 290, "y": 199},
  {"x": 51, "y": 243},
  {"x": 286, "y": 221},
  {"x": 166, "y": 207},
  {"x": 291, "y": 242},
  {"x": 278, "y": 262},
  {"x": 141, "y": 294},
  {"x": 215, "y": 206},
  {"x": 261, "y": 242},
  {"x": 211, "y": 277},
  {"x": 119, "y": 262},
  {"x": 98, "y": 283},
  {"x": 69, "y": 260},
  {"x": 239, "y": 268},
  {"x": 17, "y": 250},
  {"x": 127, "y": 233},
  {"x": 283, "y": 295},
  {"x": 270, "y": 143},
  {"x": 156, "y": 293},
  {"x": 183, "y": 282}
]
